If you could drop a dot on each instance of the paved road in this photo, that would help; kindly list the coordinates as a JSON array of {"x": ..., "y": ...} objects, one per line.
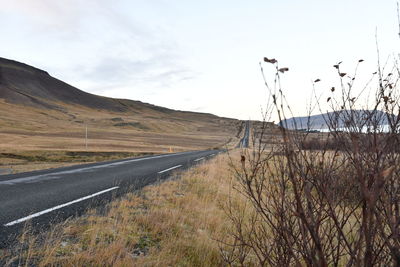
[
  {"x": 52, "y": 195},
  {"x": 244, "y": 142}
]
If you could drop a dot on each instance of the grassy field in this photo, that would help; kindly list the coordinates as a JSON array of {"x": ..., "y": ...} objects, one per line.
[
  {"x": 175, "y": 223},
  {"x": 33, "y": 138}
]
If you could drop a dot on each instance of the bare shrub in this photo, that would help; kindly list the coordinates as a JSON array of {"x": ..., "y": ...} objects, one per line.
[
  {"x": 329, "y": 201},
  {"x": 318, "y": 143}
]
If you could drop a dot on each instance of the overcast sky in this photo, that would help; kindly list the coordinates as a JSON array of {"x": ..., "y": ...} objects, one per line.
[{"x": 197, "y": 55}]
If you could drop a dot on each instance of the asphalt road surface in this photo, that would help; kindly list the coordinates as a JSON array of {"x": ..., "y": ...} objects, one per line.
[
  {"x": 47, "y": 196},
  {"x": 244, "y": 142}
]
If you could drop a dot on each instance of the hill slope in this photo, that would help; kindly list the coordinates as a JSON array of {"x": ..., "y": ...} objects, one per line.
[
  {"x": 27, "y": 85},
  {"x": 39, "y": 112}
]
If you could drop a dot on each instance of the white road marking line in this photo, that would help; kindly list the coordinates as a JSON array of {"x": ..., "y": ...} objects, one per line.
[
  {"x": 199, "y": 159},
  {"x": 56, "y": 175},
  {"x": 211, "y": 155},
  {"x": 177, "y": 166},
  {"x": 59, "y": 207}
]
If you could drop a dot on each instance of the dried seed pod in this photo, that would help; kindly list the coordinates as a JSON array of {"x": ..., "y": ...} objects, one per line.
[
  {"x": 283, "y": 70},
  {"x": 385, "y": 99},
  {"x": 270, "y": 60}
]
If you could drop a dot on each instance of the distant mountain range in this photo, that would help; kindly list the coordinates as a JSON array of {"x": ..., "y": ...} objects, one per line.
[{"x": 319, "y": 121}]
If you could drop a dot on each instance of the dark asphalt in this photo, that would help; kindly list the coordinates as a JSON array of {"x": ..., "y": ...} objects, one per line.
[
  {"x": 244, "y": 142},
  {"x": 30, "y": 193}
]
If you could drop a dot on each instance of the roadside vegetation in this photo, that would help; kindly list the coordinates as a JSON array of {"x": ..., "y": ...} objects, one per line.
[
  {"x": 180, "y": 222},
  {"x": 329, "y": 199}
]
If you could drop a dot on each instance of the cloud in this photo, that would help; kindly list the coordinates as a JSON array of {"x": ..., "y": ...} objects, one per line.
[
  {"x": 50, "y": 14},
  {"x": 60, "y": 16},
  {"x": 156, "y": 72},
  {"x": 100, "y": 45}
]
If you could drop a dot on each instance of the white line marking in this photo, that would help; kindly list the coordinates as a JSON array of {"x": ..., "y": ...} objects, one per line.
[
  {"x": 56, "y": 175},
  {"x": 211, "y": 155},
  {"x": 199, "y": 159},
  {"x": 59, "y": 207},
  {"x": 177, "y": 166}
]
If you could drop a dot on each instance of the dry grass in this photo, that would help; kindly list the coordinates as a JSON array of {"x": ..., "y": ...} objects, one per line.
[
  {"x": 175, "y": 223},
  {"x": 25, "y": 129}
]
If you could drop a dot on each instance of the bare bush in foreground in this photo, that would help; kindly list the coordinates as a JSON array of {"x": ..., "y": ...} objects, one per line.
[{"x": 335, "y": 203}]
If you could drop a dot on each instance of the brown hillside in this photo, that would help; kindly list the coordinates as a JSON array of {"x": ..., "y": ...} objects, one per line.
[
  {"x": 40, "y": 113},
  {"x": 27, "y": 85}
]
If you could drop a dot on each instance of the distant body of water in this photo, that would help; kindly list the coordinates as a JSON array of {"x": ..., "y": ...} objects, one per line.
[{"x": 382, "y": 129}]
